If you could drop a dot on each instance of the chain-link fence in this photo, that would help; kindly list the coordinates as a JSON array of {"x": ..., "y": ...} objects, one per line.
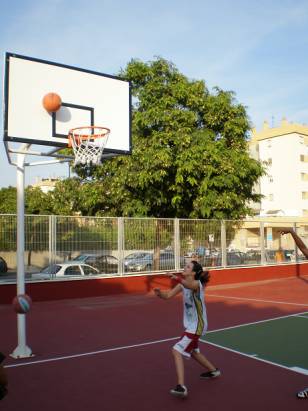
[{"x": 68, "y": 247}]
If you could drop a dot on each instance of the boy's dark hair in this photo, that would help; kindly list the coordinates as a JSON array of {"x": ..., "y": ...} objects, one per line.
[{"x": 200, "y": 275}]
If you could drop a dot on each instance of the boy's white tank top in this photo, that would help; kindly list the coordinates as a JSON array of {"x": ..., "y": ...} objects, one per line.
[{"x": 195, "y": 318}]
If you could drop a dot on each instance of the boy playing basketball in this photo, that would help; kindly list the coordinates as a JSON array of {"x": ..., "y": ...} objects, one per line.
[{"x": 195, "y": 323}]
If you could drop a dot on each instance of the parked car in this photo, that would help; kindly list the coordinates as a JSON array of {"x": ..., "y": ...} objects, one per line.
[
  {"x": 143, "y": 261},
  {"x": 104, "y": 263},
  {"x": 233, "y": 258},
  {"x": 3, "y": 266},
  {"x": 253, "y": 257},
  {"x": 65, "y": 270}
]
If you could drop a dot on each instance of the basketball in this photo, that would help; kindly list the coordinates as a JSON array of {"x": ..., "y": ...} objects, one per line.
[
  {"x": 22, "y": 303},
  {"x": 52, "y": 102}
]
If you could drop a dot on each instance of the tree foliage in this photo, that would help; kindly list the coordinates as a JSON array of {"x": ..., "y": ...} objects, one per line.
[
  {"x": 36, "y": 201},
  {"x": 7, "y": 200},
  {"x": 190, "y": 155}
]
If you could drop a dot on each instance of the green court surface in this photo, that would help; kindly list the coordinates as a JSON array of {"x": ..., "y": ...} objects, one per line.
[{"x": 282, "y": 341}]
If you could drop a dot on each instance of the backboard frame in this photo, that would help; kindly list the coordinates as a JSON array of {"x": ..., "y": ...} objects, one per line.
[{"x": 11, "y": 138}]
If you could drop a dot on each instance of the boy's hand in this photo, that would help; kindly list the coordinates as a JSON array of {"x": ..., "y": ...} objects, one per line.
[{"x": 173, "y": 277}]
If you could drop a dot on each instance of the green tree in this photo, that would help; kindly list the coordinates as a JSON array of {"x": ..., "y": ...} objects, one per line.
[
  {"x": 77, "y": 196},
  {"x": 38, "y": 202},
  {"x": 37, "y": 228},
  {"x": 190, "y": 154},
  {"x": 8, "y": 200}
]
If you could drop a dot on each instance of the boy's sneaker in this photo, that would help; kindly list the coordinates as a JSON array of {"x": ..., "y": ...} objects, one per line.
[
  {"x": 210, "y": 374},
  {"x": 179, "y": 391},
  {"x": 303, "y": 394}
]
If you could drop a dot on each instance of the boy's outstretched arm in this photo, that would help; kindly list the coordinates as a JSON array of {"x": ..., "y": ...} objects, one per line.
[
  {"x": 166, "y": 294},
  {"x": 298, "y": 241}
]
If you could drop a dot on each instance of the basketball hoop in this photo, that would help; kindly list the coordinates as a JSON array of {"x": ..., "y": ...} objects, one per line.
[{"x": 88, "y": 144}]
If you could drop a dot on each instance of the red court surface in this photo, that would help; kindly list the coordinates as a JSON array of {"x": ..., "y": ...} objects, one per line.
[{"x": 103, "y": 373}]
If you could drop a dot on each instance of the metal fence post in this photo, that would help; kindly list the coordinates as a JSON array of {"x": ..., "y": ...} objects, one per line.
[
  {"x": 121, "y": 245},
  {"x": 296, "y": 248},
  {"x": 54, "y": 240},
  {"x": 50, "y": 236},
  {"x": 262, "y": 243},
  {"x": 223, "y": 243},
  {"x": 177, "y": 245}
]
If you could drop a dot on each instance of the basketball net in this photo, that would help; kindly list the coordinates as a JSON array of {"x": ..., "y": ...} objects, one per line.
[{"x": 88, "y": 144}]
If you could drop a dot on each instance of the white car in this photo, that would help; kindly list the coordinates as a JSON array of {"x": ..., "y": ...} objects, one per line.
[{"x": 65, "y": 270}]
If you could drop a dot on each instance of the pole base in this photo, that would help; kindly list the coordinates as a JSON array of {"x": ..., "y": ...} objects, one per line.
[{"x": 22, "y": 352}]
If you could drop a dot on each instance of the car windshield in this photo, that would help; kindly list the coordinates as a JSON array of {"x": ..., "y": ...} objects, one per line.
[
  {"x": 52, "y": 269},
  {"x": 80, "y": 257},
  {"x": 136, "y": 255}
]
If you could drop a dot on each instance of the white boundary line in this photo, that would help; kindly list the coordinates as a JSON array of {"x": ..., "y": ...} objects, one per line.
[
  {"x": 257, "y": 322},
  {"x": 125, "y": 347},
  {"x": 298, "y": 370},
  {"x": 253, "y": 356},
  {"x": 251, "y": 283},
  {"x": 255, "y": 300}
]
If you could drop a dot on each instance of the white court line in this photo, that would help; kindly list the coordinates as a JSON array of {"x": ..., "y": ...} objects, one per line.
[
  {"x": 294, "y": 369},
  {"x": 300, "y": 370},
  {"x": 125, "y": 347},
  {"x": 255, "y": 356},
  {"x": 257, "y": 322},
  {"x": 256, "y": 300},
  {"x": 251, "y": 283}
]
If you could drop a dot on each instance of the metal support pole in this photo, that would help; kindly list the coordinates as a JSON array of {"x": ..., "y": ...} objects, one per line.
[
  {"x": 22, "y": 350},
  {"x": 177, "y": 246},
  {"x": 121, "y": 245},
  {"x": 223, "y": 244},
  {"x": 262, "y": 243}
]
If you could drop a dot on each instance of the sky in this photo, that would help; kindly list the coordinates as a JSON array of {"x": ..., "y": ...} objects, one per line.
[{"x": 258, "y": 49}]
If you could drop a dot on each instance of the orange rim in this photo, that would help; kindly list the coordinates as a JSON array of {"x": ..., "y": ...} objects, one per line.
[{"x": 79, "y": 137}]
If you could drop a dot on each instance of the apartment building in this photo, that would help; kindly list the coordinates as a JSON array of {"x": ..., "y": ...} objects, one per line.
[{"x": 284, "y": 152}]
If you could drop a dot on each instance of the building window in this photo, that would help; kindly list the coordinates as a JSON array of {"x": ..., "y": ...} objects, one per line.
[
  {"x": 304, "y": 158},
  {"x": 270, "y": 178},
  {"x": 269, "y": 162},
  {"x": 304, "y": 176},
  {"x": 305, "y": 195},
  {"x": 271, "y": 197}
]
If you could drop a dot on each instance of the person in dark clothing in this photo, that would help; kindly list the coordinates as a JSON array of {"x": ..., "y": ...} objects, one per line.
[{"x": 3, "y": 378}]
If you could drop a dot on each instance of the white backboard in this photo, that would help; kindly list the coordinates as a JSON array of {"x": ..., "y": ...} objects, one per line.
[{"x": 88, "y": 98}]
